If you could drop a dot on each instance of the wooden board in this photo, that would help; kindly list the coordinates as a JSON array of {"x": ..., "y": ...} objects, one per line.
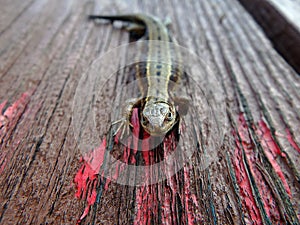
[
  {"x": 45, "y": 47},
  {"x": 279, "y": 20},
  {"x": 289, "y": 9}
]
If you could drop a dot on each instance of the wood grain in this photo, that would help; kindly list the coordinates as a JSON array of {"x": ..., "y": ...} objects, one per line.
[{"x": 45, "y": 47}]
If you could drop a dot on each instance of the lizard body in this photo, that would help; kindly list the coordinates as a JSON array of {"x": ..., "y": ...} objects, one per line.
[{"x": 158, "y": 111}]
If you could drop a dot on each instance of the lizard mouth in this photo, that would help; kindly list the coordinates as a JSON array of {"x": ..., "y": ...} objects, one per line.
[{"x": 156, "y": 130}]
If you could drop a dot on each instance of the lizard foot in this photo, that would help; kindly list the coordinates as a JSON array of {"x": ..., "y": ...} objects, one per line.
[{"x": 124, "y": 128}]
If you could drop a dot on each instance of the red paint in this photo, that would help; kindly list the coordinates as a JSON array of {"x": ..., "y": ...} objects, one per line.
[
  {"x": 13, "y": 113},
  {"x": 8, "y": 121},
  {"x": 168, "y": 215},
  {"x": 164, "y": 194},
  {"x": 247, "y": 197},
  {"x": 291, "y": 140},
  {"x": 272, "y": 151},
  {"x": 86, "y": 179},
  {"x": 146, "y": 201},
  {"x": 188, "y": 199},
  {"x": 169, "y": 190},
  {"x": 148, "y": 197}
]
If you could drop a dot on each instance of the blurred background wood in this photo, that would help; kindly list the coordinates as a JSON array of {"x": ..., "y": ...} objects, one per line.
[
  {"x": 280, "y": 21},
  {"x": 44, "y": 48}
]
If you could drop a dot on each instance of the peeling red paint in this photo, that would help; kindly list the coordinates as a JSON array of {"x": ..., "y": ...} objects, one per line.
[
  {"x": 146, "y": 201},
  {"x": 12, "y": 113},
  {"x": 291, "y": 140},
  {"x": 272, "y": 151},
  {"x": 188, "y": 198},
  {"x": 265, "y": 191},
  {"x": 247, "y": 196},
  {"x": 245, "y": 151},
  {"x": 148, "y": 197},
  {"x": 8, "y": 121},
  {"x": 86, "y": 179}
]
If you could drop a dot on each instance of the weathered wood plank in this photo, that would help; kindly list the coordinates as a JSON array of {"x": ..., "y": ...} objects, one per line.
[
  {"x": 289, "y": 9},
  {"x": 45, "y": 46},
  {"x": 280, "y": 22}
]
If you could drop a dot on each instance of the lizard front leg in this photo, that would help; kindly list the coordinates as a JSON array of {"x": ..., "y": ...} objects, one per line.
[{"x": 124, "y": 122}]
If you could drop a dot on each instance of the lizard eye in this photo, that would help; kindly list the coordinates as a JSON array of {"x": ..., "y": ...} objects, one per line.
[{"x": 169, "y": 116}]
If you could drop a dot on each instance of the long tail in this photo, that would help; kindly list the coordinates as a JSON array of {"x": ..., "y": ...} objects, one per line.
[{"x": 135, "y": 18}]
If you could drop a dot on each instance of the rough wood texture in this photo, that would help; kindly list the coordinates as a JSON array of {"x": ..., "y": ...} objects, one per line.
[
  {"x": 280, "y": 21},
  {"x": 44, "y": 48}
]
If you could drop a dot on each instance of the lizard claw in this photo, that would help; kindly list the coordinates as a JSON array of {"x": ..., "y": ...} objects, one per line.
[
  {"x": 124, "y": 128},
  {"x": 124, "y": 122}
]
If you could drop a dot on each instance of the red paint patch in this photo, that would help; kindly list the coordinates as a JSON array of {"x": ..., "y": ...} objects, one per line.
[
  {"x": 245, "y": 151},
  {"x": 291, "y": 140},
  {"x": 148, "y": 197},
  {"x": 243, "y": 181},
  {"x": 86, "y": 179},
  {"x": 8, "y": 121},
  {"x": 272, "y": 151},
  {"x": 189, "y": 198}
]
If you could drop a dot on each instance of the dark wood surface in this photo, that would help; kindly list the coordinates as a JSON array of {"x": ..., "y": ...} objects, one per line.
[
  {"x": 45, "y": 46},
  {"x": 279, "y": 20}
]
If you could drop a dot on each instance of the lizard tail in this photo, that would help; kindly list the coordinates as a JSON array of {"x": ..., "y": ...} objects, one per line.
[{"x": 135, "y": 18}]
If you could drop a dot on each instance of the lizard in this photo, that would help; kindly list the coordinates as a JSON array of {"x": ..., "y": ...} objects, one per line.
[{"x": 158, "y": 113}]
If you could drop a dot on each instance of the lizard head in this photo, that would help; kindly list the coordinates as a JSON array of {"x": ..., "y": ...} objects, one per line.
[{"x": 158, "y": 117}]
